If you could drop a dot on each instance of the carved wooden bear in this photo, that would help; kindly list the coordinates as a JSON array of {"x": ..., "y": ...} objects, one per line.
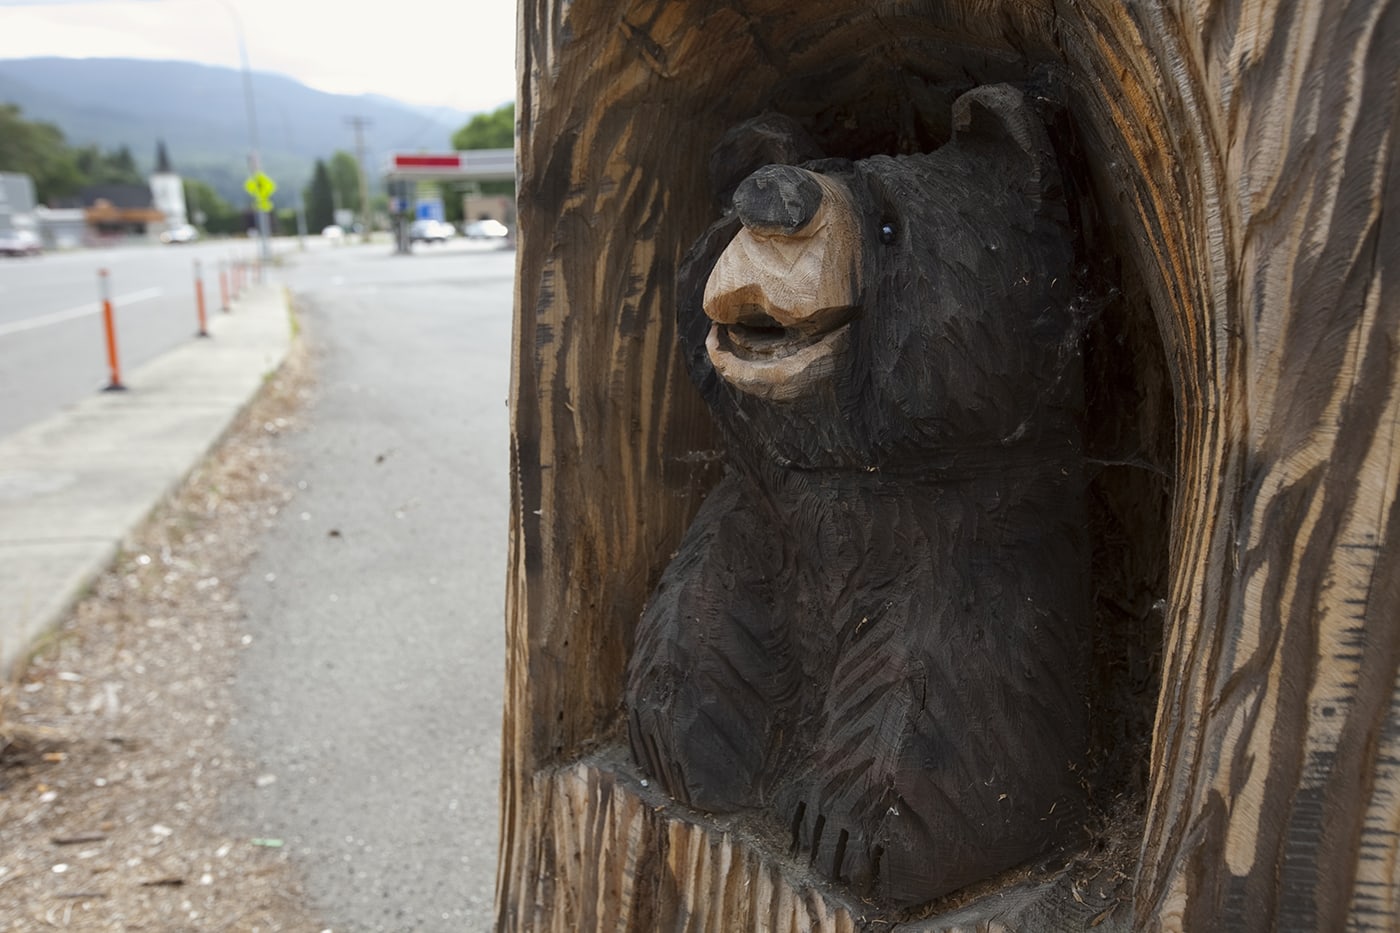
[{"x": 875, "y": 629}]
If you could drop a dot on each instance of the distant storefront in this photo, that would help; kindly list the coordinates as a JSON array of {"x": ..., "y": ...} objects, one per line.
[
  {"x": 120, "y": 210},
  {"x": 97, "y": 212}
]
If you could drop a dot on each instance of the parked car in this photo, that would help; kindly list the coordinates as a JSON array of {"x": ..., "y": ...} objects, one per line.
[
  {"x": 20, "y": 243},
  {"x": 431, "y": 231},
  {"x": 487, "y": 229},
  {"x": 332, "y": 233},
  {"x": 184, "y": 233}
]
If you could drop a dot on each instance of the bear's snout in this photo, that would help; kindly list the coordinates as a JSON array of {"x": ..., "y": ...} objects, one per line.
[
  {"x": 778, "y": 199},
  {"x": 787, "y": 285}
]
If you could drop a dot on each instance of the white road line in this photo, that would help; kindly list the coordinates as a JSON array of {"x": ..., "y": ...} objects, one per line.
[{"x": 58, "y": 317}]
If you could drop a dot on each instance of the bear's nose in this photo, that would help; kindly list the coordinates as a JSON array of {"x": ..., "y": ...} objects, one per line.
[{"x": 778, "y": 199}]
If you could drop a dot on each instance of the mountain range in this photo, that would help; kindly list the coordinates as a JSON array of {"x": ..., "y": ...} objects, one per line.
[{"x": 201, "y": 114}]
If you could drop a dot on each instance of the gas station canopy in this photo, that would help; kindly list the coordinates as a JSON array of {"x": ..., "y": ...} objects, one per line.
[{"x": 470, "y": 165}]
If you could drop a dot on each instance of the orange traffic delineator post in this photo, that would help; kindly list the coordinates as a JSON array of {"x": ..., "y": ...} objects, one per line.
[
  {"x": 199, "y": 299},
  {"x": 105, "y": 289},
  {"x": 223, "y": 286}
]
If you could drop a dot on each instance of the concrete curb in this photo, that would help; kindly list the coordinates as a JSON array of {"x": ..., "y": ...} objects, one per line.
[{"x": 75, "y": 486}]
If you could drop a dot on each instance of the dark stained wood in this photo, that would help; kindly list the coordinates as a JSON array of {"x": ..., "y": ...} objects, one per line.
[{"x": 1242, "y": 159}]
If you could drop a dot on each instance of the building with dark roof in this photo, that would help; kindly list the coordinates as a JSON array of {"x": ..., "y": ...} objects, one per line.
[{"x": 118, "y": 209}]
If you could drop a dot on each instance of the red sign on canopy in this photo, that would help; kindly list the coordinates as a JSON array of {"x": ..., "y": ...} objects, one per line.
[{"x": 451, "y": 160}]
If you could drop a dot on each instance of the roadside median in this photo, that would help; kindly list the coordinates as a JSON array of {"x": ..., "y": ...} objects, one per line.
[{"x": 74, "y": 486}]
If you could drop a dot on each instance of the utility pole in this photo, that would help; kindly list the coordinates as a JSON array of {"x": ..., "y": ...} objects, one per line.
[
  {"x": 301, "y": 221},
  {"x": 254, "y": 156},
  {"x": 359, "y": 123}
]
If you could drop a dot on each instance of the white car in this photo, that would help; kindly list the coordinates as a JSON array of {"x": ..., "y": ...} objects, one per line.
[
  {"x": 487, "y": 229},
  {"x": 431, "y": 231},
  {"x": 333, "y": 233},
  {"x": 20, "y": 243},
  {"x": 184, "y": 233}
]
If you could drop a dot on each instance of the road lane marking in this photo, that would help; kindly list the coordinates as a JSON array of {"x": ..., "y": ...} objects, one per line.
[{"x": 58, "y": 317}]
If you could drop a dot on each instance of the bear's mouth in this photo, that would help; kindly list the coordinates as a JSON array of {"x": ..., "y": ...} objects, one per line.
[
  {"x": 757, "y": 336},
  {"x": 760, "y": 355}
]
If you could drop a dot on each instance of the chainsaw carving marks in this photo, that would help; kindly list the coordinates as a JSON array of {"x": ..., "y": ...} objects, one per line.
[{"x": 874, "y": 632}]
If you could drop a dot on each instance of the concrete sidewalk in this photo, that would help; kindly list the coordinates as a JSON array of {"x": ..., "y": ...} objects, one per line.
[{"x": 74, "y": 486}]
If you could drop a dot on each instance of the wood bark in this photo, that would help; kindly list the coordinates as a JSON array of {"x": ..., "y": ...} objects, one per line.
[{"x": 1243, "y": 157}]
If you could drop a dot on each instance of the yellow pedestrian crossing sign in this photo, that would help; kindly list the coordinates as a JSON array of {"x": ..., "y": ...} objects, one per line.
[{"x": 260, "y": 188}]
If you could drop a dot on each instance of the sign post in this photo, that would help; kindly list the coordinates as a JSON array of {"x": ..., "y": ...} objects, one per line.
[{"x": 260, "y": 188}]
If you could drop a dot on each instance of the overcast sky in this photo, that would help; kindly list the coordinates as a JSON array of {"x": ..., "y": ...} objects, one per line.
[{"x": 449, "y": 53}]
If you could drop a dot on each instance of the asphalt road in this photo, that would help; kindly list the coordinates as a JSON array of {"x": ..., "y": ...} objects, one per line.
[
  {"x": 371, "y": 689},
  {"x": 52, "y": 346}
]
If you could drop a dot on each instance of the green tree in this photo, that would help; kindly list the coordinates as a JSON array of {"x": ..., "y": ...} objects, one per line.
[
  {"x": 123, "y": 167},
  {"x": 285, "y": 220},
  {"x": 108, "y": 168},
  {"x": 219, "y": 215},
  {"x": 320, "y": 199},
  {"x": 494, "y": 130},
  {"x": 39, "y": 151},
  {"x": 345, "y": 180}
]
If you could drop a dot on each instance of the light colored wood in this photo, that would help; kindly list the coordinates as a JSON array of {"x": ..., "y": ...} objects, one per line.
[
  {"x": 1244, "y": 152},
  {"x": 793, "y": 277},
  {"x": 621, "y": 857},
  {"x": 695, "y": 878},
  {"x": 806, "y": 280}
]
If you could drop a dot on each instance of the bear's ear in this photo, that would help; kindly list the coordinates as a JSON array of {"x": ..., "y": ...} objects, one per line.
[
  {"x": 768, "y": 139},
  {"x": 996, "y": 118}
]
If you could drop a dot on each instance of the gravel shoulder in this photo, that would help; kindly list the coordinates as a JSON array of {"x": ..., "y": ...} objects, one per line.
[{"x": 114, "y": 751}]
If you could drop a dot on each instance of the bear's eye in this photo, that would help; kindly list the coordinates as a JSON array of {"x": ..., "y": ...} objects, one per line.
[{"x": 888, "y": 232}]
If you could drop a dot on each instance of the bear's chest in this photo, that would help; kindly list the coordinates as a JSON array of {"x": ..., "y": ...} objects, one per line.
[{"x": 933, "y": 564}]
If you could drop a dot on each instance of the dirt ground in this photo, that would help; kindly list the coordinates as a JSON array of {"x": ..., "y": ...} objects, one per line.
[{"x": 113, "y": 755}]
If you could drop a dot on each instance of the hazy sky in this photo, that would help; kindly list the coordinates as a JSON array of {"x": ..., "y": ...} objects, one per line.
[{"x": 451, "y": 53}]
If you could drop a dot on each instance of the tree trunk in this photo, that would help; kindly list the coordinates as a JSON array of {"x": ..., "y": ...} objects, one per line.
[{"x": 1242, "y": 157}]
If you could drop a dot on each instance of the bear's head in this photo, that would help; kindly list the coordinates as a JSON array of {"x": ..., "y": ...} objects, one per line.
[{"x": 894, "y": 313}]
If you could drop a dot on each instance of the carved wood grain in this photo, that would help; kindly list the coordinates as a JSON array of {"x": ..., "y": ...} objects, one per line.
[
  {"x": 622, "y": 857},
  {"x": 1265, "y": 134},
  {"x": 1245, "y": 151}
]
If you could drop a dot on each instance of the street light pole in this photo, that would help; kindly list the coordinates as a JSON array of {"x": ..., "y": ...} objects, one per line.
[{"x": 254, "y": 155}]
